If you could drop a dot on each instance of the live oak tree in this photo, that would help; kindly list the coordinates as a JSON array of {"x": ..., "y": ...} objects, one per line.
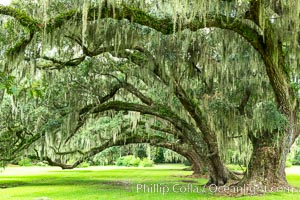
[
  {"x": 156, "y": 136},
  {"x": 270, "y": 27},
  {"x": 169, "y": 99}
]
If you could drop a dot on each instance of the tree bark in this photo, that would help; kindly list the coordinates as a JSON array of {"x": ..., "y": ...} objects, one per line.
[
  {"x": 218, "y": 173},
  {"x": 197, "y": 165},
  {"x": 267, "y": 164}
]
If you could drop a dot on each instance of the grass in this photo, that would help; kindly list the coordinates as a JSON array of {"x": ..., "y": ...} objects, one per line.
[{"x": 27, "y": 183}]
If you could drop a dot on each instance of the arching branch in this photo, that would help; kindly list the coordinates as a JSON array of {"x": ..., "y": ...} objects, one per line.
[
  {"x": 124, "y": 139},
  {"x": 30, "y": 24},
  {"x": 129, "y": 87},
  {"x": 120, "y": 141},
  {"x": 156, "y": 110},
  {"x": 244, "y": 101},
  {"x": 160, "y": 111},
  {"x": 57, "y": 64},
  {"x": 103, "y": 99},
  {"x": 165, "y": 25},
  {"x": 25, "y": 20}
]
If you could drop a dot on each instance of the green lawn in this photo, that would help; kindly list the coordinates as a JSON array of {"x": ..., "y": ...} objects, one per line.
[{"x": 24, "y": 183}]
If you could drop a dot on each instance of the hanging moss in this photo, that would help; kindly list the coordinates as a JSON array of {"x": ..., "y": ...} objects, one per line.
[{"x": 60, "y": 20}]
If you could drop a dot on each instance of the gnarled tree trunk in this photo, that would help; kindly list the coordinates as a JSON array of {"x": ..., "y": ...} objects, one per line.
[
  {"x": 218, "y": 173},
  {"x": 267, "y": 164},
  {"x": 198, "y": 167}
]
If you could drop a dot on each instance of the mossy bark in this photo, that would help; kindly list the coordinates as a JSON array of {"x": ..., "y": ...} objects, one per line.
[
  {"x": 197, "y": 165},
  {"x": 267, "y": 164}
]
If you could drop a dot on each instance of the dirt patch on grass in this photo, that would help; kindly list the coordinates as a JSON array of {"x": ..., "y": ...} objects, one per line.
[
  {"x": 189, "y": 181},
  {"x": 11, "y": 185},
  {"x": 117, "y": 183}
]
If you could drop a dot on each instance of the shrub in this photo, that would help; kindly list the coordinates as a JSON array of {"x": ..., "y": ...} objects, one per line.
[
  {"x": 120, "y": 161},
  {"x": 146, "y": 163},
  {"x": 159, "y": 156},
  {"x": 141, "y": 152},
  {"x": 25, "y": 162},
  {"x": 83, "y": 165},
  {"x": 128, "y": 161},
  {"x": 135, "y": 162},
  {"x": 41, "y": 164}
]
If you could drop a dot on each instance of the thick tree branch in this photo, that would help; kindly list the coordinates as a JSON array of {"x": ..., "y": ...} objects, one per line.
[
  {"x": 120, "y": 141},
  {"x": 244, "y": 101},
  {"x": 20, "y": 46},
  {"x": 62, "y": 165},
  {"x": 165, "y": 26},
  {"x": 208, "y": 135},
  {"x": 191, "y": 108},
  {"x": 112, "y": 93},
  {"x": 92, "y": 53},
  {"x": 29, "y": 23},
  {"x": 61, "y": 64},
  {"x": 156, "y": 110},
  {"x": 26, "y": 21},
  {"x": 254, "y": 12},
  {"x": 154, "y": 140},
  {"x": 129, "y": 87},
  {"x": 160, "y": 111},
  {"x": 103, "y": 99}
]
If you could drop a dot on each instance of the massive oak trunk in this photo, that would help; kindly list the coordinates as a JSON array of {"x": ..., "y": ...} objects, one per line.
[
  {"x": 267, "y": 164},
  {"x": 218, "y": 173},
  {"x": 269, "y": 155},
  {"x": 197, "y": 165},
  {"x": 196, "y": 160}
]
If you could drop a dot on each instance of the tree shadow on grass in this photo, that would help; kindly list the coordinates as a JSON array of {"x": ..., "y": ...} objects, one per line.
[
  {"x": 72, "y": 171},
  {"x": 6, "y": 185},
  {"x": 65, "y": 182}
]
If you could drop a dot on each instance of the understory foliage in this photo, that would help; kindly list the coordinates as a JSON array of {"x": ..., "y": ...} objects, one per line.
[{"x": 132, "y": 161}]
